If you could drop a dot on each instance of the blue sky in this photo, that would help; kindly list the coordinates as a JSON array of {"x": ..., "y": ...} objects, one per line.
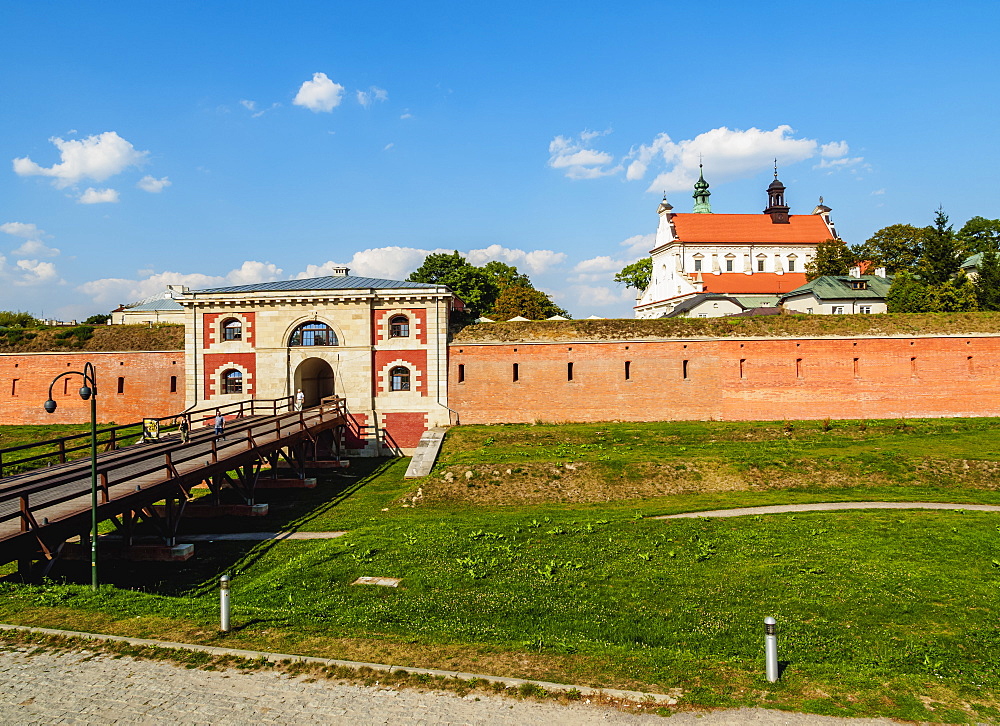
[{"x": 213, "y": 143}]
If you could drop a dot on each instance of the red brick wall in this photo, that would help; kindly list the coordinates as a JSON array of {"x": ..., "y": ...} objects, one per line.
[
  {"x": 404, "y": 429},
  {"x": 777, "y": 379},
  {"x": 353, "y": 438},
  {"x": 217, "y": 363},
  {"x": 146, "y": 386},
  {"x": 415, "y": 360},
  {"x": 418, "y": 323}
]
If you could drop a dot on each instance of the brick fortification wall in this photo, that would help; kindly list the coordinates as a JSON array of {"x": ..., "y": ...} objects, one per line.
[
  {"x": 726, "y": 379},
  {"x": 151, "y": 384}
]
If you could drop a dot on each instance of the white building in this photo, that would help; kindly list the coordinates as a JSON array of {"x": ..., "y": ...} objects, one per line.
[{"x": 736, "y": 255}]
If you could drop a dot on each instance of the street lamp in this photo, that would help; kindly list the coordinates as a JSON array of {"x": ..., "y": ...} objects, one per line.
[{"x": 87, "y": 391}]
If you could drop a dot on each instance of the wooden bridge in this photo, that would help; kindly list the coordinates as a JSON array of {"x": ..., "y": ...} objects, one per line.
[{"x": 42, "y": 509}]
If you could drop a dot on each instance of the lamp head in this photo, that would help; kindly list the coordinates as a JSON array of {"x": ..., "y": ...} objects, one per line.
[
  {"x": 50, "y": 406},
  {"x": 85, "y": 392}
]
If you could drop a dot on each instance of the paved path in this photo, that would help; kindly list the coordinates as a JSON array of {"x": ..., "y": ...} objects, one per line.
[
  {"x": 85, "y": 688},
  {"x": 257, "y": 536},
  {"x": 426, "y": 454},
  {"x": 828, "y": 507}
]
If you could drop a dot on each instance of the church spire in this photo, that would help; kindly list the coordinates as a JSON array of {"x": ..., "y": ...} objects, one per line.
[
  {"x": 776, "y": 206},
  {"x": 701, "y": 194}
]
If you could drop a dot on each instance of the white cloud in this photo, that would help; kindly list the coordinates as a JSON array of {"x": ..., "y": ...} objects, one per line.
[
  {"x": 535, "y": 262},
  {"x": 388, "y": 263},
  {"x": 406, "y": 114},
  {"x": 35, "y": 248},
  {"x": 834, "y": 149},
  {"x": 34, "y": 272},
  {"x": 95, "y": 157},
  {"x": 98, "y": 196},
  {"x": 878, "y": 192},
  {"x": 590, "y": 296},
  {"x": 840, "y": 163},
  {"x": 578, "y": 160},
  {"x": 374, "y": 93},
  {"x": 728, "y": 153},
  {"x": 111, "y": 291},
  {"x": 153, "y": 185},
  {"x": 319, "y": 94},
  {"x": 387, "y": 146},
  {"x": 20, "y": 229},
  {"x": 638, "y": 245},
  {"x": 256, "y": 112}
]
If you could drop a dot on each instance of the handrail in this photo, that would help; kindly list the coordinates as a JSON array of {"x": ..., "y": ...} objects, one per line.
[
  {"x": 237, "y": 408},
  {"x": 169, "y": 461}
]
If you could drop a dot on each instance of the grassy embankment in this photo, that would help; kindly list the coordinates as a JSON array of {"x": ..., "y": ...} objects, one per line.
[
  {"x": 544, "y": 563},
  {"x": 163, "y": 336}
]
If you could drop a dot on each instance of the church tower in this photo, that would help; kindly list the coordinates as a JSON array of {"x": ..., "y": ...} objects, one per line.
[
  {"x": 776, "y": 206},
  {"x": 701, "y": 194}
]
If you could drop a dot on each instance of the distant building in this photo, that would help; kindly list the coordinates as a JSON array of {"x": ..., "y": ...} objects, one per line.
[
  {"x": 733, "y": 255},
  {"x": 713, "y": 305},
  {"x": 840, "y": 295},
  {"x": 162, "y": 308}
]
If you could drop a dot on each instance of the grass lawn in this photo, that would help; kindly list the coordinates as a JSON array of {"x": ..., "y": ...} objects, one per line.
[{"x": 889, "y": 613}]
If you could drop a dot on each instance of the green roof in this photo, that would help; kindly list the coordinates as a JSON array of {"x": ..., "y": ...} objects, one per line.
[{"x": 839, "y": 287}]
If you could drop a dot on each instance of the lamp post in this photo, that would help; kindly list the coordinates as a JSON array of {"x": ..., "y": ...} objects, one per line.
[{"x": 87, "y": 391}]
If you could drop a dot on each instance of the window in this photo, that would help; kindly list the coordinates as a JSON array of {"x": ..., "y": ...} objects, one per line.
[
  {"x": 461, "y": 372},
  {"x": 684, "y": 369},
  {"x": 121, "y": 384},
  {"x": 628, "y": 370},
  {"x": 702, "y": 315},
  {"x": 697, "y": 265},
  {"x": 515, "y": 374},
  {"x": 743, "y": 363},
  {"x": 859, "y": 284},
  {"x": 857, "y": 369},
  {"x": 399, "y": 379},
  {"x": 760, "y": 265},
  {"x": 313, "y": 333},
  {"x": 838, "y": 310},
  {"x": 173, "y": 384},
  {"x": 798, "y": 367},
  {"x": 399, "y": 327},
  {"x": 569, "y": 371},
  {"x": 232, "y": 381},
  {"x": 13, "y": 386},
  {"x": 865, "y": 309},
  {"x": 729, "y": 265},
  {"x": 809, "y": 311},
  {"x": 232, "y": 330},
  {"x": 791, "y": 265}
]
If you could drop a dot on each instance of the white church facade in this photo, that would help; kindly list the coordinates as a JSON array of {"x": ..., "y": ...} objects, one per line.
[{"x": 745, "y": 257}]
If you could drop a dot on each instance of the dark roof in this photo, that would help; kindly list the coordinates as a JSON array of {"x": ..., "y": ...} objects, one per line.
[
  {"x": 333, "y": 282},
  {"x": 754, "y": 312},
  {"x": 836, "y": 287},
  {"x": 159, "y": 304},
  {"x": 692, "y": 302}
]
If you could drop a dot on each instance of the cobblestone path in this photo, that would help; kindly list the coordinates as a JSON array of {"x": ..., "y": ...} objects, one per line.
[{"x": 85, "y": 688}]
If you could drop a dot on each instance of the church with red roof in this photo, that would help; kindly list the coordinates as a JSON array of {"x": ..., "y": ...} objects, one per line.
[{"x": 756, "y": 257}]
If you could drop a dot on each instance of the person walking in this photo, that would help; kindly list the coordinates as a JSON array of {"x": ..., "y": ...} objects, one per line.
[
  {"x": 220, "y": 426},
  {"x": 185, "y": 430},
  {"x": 300, "y": 400}
]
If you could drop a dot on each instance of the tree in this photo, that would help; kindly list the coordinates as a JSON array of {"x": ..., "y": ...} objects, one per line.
[
  {"x": 638, "y": 274},
  {"x": 979, "y": 235},
  {"x": 987, "y": 284},
  {"x": 527, "y": 302},
  {"x": 833, "y": 257},
  {"x": 100, "y": 319},
  {"x": 896, "y": 247},
  {"x": 957, "y": 295},
  {"x": 11, "y": 319},
  {"x": 503, "y": 275},
  {"x": 472, "y": 284},
  {"x": 907, "y": 294},
  {"x": 942, "y": 258}
]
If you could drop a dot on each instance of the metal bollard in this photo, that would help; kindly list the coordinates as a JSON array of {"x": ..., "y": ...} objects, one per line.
[
  {"x": 771, "y": 648},
  {"x": 224, "y": 603}
]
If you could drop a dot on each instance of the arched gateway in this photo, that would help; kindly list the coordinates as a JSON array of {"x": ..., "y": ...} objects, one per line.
[{"x": 315, "y": 377}]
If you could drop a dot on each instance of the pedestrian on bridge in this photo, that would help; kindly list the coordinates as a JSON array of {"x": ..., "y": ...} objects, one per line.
[
  {"x": 300, "y": 400},
  {"x": 220, "y": 425},
  {"x": 185, "y": 430}
]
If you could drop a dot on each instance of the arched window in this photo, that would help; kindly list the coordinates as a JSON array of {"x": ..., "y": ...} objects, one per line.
[
  {"x": 399, "y": 379},
  {"x": 232, "y": 381},
  {"x": 399, "y": 327},
  {"x": 313, "y": 333},
  {"x": 232, "y": 330}
]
